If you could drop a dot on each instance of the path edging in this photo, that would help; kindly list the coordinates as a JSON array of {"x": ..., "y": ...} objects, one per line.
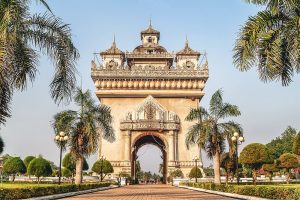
[
  {"x": 69, "y": 194},
  {"x": 226, "y": 194}
]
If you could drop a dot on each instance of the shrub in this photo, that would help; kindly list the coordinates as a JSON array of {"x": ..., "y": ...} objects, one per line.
[
  {"x": 35, "y": 191},
  {"x": 13, "y": 166},
  {"x": 263, "y": 191},
  {"x": 255, "y": 155},
  {"x": 195, "y": 173},
  {"x": 177, "y": 173},
  {"x": 39, "y": 167},
  {"x": 66, "y": 172},
  {"x": 270, "y": 169}
]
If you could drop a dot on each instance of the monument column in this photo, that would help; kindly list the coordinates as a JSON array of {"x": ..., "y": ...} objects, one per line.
[
  {"x": 127, "y": 145},
  {"x": 171, "y": 146}
]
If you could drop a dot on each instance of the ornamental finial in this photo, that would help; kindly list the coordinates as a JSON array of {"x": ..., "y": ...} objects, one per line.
[{"x": 186, "y": 41}]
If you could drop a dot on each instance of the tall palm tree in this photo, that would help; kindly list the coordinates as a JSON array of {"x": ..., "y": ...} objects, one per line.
[
  {"x": 23, "y": 36},
  {"x": 84, "y": 127},
  {"x": 270, "y": 41},
  {"x": 210, "y": 130}
]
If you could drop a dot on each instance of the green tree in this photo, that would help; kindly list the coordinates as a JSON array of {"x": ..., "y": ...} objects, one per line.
[
  {"x": 282, "y": 144},
  {"x": 13, "y": 166},
  {"x": 66, "y": 172},
  {"x": 85, "y": 127},
  {"x": 255, "y": 155},
  {"x": 23, "y": 36},
  {"x": 39, "y": 167},
  {"x": 270, "y": 41},
  {"x": 176, "y": 173},
  {"x": 296, "y": 145},
  {"x": 70, "y": 163},
  {"x": 195, "y": 173},
  {"x": 27, "y": 160},
  {"x": 288, "y": 161},
  {"x": 1, "y": 145},
  {"x": 102, "y": 167},
  {"x": 270, "y": 169},
  {"x": 210, "y": 130},
  {"x": 228, "y": 164}
]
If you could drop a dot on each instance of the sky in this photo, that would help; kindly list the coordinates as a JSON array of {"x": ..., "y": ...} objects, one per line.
[{"x": 211, "y": 26}]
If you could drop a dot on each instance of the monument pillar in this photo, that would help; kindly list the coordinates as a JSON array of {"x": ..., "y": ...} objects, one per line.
[
  {"x": 171, "y": 146},
  {"x": 127, "y": 145}
]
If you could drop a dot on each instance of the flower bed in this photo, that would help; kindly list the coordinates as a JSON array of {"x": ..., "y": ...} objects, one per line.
[
  {"x": 286, "y": 192},
  {"x": 34, "y": 190}
]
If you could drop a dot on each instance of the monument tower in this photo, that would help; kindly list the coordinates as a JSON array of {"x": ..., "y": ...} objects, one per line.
[{"x": 150, "y": 92}]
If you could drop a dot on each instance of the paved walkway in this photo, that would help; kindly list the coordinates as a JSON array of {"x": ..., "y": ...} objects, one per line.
[{"x": 148, "y": 192}]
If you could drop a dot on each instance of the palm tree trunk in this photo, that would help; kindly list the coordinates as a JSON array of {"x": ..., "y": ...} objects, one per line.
[
  {"x": 216, "y": 160},
  {"x": 201, "y": 164},
  {"x": 79, "y": 166}
]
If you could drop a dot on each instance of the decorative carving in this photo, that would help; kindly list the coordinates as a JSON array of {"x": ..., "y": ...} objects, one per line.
[{"x": 150, "y": 115}]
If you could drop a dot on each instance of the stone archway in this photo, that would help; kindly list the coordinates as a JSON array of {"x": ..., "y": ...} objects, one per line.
[{"x": 154, "y": 139}]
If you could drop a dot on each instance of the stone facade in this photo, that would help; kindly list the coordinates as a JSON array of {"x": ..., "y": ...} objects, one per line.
[{"x": 150, "y": 92}]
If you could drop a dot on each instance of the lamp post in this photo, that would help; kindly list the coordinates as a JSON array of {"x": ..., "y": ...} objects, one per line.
[
  {"x": 102, "y": 158},
  {"x": 238, "y": 140},
  {"x": 196, "y": 161},
  {"x": 61, "y": 138}
]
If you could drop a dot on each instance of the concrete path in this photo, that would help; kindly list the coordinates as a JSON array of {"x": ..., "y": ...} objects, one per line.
[{"x": 149, "y": 192}]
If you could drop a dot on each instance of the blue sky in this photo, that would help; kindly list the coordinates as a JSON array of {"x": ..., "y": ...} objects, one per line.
[{"x": 211, "y": 25}]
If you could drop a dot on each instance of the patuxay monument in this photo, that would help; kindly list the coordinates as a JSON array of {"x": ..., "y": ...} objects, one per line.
[{"x": 150, "y": 92}]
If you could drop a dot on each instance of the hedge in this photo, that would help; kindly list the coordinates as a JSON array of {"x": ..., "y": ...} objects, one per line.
[
  {"x": 264, "y": 191},
  {"x": 40, "y": 190}
]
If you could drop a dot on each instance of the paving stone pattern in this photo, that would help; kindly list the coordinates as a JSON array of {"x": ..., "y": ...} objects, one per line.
[{"x": 148, "y": 192}]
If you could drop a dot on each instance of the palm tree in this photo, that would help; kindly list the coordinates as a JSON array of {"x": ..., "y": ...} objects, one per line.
[
  {"x": 1, "y": 145},
  {"x": 210, "y": 131},
  {"x": 84, "y": 127},
  {"x": 270, "y": 41},
  {"x": 23, "y": 36}
]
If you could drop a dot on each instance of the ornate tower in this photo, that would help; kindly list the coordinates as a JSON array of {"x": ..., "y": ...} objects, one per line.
[{"x": 150, "y": 96}]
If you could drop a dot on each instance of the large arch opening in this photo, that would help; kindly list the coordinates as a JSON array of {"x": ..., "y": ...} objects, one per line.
[{"x": 145, "y": 139}]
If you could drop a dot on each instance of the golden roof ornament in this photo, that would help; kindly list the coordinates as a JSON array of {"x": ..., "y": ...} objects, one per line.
[
  {"x": 113, "y": 50},
  {"x": 187, "y": 50}
]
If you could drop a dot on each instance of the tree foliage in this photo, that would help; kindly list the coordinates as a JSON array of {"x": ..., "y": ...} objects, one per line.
[
  {"x": 66, "y": 172},
  {"x": 103, "y": 166},
  {"x": 28, "y": 159},
  {"x": 210, "y": 131},
  {"x": 39, "y": 167},
  {"x": 296, "y": 145},
  {"x": 270, "y": 41},
  {"x": 195, "y": 173},
  {"x": 13, "y": 166},
  {"x": 84, "y": 127},
  {"x": 69, "y": 163},
  {"x": 1, "y": 145},
  {"x": 288, "y": 161},
  {"x": 177, "y": 173},
  {"x": 255, "y": 155},
  {"x": 23, "y": 36},
  {"x": 282, "y": 144}
]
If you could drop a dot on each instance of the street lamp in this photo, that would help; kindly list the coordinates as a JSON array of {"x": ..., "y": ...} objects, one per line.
[
  {"x": 196, "y": 161},
  {"x": 61, "y": 138},
  {"x": 102, "y": 158},
  {"x": 237, "y": 140}
]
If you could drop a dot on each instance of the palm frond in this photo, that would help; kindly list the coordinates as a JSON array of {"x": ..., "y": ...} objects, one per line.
[
  {"x": 216, "y": 102},
  {"x": 228, "y": 110},
  {"x": 196, "y": 114},
  {"x": 192, "y": 136}
]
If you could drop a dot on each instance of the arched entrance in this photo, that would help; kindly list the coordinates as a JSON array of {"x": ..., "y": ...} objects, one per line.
[{"x": 149, "y": 138}]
